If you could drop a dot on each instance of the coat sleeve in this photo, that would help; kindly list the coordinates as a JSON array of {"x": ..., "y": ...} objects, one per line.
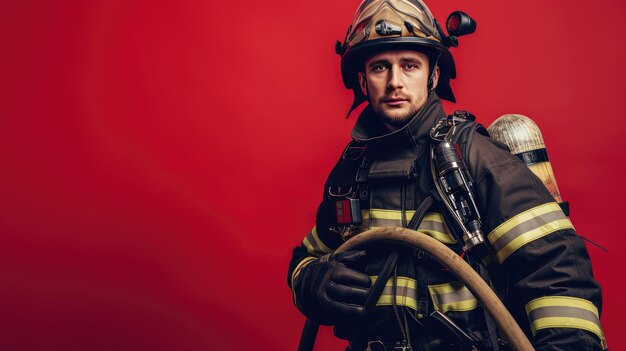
[
  {"x": 319, "y": 241},
  {"x": 551, "y": 291}
]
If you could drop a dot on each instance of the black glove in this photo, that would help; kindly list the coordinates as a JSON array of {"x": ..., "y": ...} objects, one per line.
[{"x": 330, "y": 289}]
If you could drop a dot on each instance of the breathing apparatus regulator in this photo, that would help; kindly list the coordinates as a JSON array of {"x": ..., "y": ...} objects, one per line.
[{"x": 453, "y": 181}]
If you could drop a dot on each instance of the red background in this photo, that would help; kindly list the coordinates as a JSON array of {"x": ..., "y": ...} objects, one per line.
[{"x": 159, "y": 160}]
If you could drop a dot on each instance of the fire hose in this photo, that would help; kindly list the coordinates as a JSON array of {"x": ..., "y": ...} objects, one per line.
[{"x": 457, "y": 266}]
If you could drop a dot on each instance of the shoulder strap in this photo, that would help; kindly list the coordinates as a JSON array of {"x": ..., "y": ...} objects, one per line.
[
  {"x": 464, "y": 135},
  {"x": 344, "y": 172}
]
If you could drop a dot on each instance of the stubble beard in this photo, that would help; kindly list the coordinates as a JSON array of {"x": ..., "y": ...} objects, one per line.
[
  {"x": 397, "y": 120},
  {"x": 400, "y": 120}
]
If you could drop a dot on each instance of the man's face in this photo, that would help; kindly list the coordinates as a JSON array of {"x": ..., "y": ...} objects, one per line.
[{"x": 396, "y": 84}]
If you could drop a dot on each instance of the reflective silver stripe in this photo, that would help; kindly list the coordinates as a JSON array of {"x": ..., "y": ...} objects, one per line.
[
  {"x": 380, "y": 222},
  {"x": 314, "y": 245},
  {"x": 401, "y": 291},
  {"x": 526, "y": 227},
  {"x": 406, "y": 292},
  {"x": 452, "y": 297},
  {"x": 564, "y": 312},
  {"x": 457, "y": 296}
]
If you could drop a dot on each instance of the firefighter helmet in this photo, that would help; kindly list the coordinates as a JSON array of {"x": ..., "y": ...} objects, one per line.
[{"x": 380, "y": 25}]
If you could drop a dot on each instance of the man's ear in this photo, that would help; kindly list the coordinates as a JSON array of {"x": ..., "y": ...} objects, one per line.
[
  {"x": 363, "y": 83},
  {"x": 435, "y": 78}
]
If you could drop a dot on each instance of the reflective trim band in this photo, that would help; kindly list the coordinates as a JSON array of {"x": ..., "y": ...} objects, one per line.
[
  {"x": 299, "y": 267},
  {"x": 452, "y": 297},
  {"x": 526, "y": 227},
  {"x": 296, "y": 272},
  {"x": 435, "y": 226},
  {"x": 433, "y": 223},
  {"x": 387, "y": 218},
  {"x": 406, "y": 292},
  {"x": 564, "y": 312},
  {"x": 314, "y": 245},
  {"x": 387, "y": 300}
]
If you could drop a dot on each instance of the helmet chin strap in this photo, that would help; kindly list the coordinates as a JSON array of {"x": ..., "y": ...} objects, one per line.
[{"x": 431, "y": 79}]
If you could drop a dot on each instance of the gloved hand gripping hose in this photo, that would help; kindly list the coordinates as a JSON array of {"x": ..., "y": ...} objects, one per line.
[{"x": 448, "y": 258}]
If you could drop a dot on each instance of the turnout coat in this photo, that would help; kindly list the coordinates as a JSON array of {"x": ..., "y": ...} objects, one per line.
[{"x": 540, "y": 267}]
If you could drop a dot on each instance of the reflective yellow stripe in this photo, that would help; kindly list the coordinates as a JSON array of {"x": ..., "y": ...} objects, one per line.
[
  {"x": 406, "y": 292},
  {"x": 433, "y": 223},
  {"x": 565, "y": 322},
  {"x": 299, "y": 267},
  {"x": 527, "y": 227},
  {"x": 522, "y": 217},
  {"x": 314, "y": 245},
  {"x": 549, "y": 301},
  {"x": 452, "y": 297},
  {"x": 434, "y": 217},
  {"x": 564, "y": 312},
  {"x": 400, "y": 281},
  {"x": 389, "y": 214},
  {"x": 296, "y": 272},
  {"x": 387, "y": 300},
  {"x": 439, "y": 236}
]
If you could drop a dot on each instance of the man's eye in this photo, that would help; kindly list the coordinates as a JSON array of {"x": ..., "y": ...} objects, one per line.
[
  {"x": 379, "y": 68},
  {"x": 410, "y": 66}
]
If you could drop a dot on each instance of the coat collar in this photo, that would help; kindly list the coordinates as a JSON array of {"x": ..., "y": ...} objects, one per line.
[{"x": 370, "y": 129}]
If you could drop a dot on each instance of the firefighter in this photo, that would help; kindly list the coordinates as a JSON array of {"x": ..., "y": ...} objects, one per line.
[{"x": 396, "y": 57}]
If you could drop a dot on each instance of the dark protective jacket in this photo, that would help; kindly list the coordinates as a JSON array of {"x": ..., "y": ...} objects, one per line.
[{"x": 542, "y": 270}]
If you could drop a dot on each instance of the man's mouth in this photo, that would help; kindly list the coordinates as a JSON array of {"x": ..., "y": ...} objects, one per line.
[{"x": 395, "y": 101}]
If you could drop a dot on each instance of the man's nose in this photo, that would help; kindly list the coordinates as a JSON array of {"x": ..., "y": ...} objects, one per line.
[{"x": 395, "y": 79}]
